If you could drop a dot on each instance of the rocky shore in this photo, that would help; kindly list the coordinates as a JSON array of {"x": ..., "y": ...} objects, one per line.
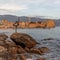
[
  {"x": 20, "y": 47},
  {"x": 5, "y": 24}
]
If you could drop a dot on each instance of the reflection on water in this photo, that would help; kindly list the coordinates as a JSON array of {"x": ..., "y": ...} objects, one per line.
[{"x": 39, "y": 35}]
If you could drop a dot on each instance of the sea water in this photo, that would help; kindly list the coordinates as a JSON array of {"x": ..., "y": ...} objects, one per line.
[{"x": 39, "y": 35}]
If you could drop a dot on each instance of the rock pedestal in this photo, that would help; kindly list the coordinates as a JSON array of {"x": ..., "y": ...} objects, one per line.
[{"x": 23, "y": 40}]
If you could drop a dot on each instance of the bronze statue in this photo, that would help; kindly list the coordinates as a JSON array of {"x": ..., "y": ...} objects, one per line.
[{"x": 16, "y": 24}]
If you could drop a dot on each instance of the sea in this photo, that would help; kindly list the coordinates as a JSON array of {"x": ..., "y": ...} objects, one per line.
[{"x": 40, "y": 35}]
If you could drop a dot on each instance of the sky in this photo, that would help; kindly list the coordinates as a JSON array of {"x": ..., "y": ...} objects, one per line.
[{"x": 49, "y": 8}]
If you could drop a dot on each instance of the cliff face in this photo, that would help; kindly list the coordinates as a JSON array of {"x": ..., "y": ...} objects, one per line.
[
  {"x": 4, "y": 24},
  {"x": 44, "y": 24},
  {"x": 50, "y": 24}
]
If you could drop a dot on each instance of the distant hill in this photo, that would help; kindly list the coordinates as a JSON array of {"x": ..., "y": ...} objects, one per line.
[
  {"x": 14, "y": 18},
  {"x": 8, "y": 17},
  {"x": 57, "y": 22}
]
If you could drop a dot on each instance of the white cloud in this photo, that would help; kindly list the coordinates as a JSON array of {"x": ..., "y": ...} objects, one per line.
[
  {"x": 12, "y": 7},
  {"x": 27, "y": 7},
  {"x": 2, "y": 12}
]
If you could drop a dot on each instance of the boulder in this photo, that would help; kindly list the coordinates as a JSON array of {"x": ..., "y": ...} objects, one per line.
[
  {"x": 9, "y": 43},
  {"x": 1, "y": 58},
  {"x": 40, "y": 58},
  {"x": 28, "y": 56},
  {"x": 12, "y": 50},
  {"x": 3, "y": 52},
  {"x": 23, "y": 40},
  {"x": 27, "y": 49},
  {"x": 2, "y": 49},
  {"x": 2, "y": 43},
  {"x": 43, "y": 49},
  {"x": 11, "y": 57},
  {"x": 3, "y": 36},
  {"x": 22, "y": 57},
  {"x": 20, "y": 50},
  {"x": 35, "y": 51},
  {"x": 48, "y": 39}
]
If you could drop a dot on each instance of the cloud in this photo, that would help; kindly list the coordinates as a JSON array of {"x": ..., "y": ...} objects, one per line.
[
  {"x": 12, "y": 7},
  {"x": 27, "y": 7}
]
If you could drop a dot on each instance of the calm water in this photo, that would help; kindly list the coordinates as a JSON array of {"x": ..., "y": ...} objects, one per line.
[{"x": 39, "y": 35}]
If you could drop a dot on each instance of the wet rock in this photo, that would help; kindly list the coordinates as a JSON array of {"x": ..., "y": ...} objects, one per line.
[
  {"x": 3, "y": 36},
  {"x": 9, "y": 43},
  {"x": 35, "y": 51},
  {"x": 1, "y": 58},
  {"x": 2, "y": 42},
  {"x": 3, "y": 52},
  {"x": 23, "y": 40},
  {"x": 27, "y": 55},
  {"x": 2, "y": 49},
  {"x": 29, "y": 59},
  {"x": 27, "y": 49},
  {"x": 20, "y": 50},
  {"x": 22, "y": 57},
  {"x": 12, "y": 50},
  {"x": 13, "y": 58},
  {"x": 48, "y": 39},
  {"x": 41, "y": 58},
  {"x": 43, "y": 49}
]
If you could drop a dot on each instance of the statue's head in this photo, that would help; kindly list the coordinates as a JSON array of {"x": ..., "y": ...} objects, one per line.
[{"x": 16, "y": 23}]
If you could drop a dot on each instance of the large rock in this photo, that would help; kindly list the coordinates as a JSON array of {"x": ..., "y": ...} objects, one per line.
[
  {"x": 2, "y": 43},
  {"x": 9, "y": 43},
  {"x": 41, "y": 58},
  {"x": 3, "y": 36},
  {"x": 43, "y": 49},
  {"x": 39, "y": 51},
  {"x": 23, "y": 40},
  {"x": 22, "y": 57},
  {"x": 2, "y": 49},
  {"x": 20, "y": 50},
  {"x": 35, "y": 51},
  {"x": 1, "y": 58}
]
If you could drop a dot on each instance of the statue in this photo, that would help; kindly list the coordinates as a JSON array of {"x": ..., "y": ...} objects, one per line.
[{"x": 16, "y": 24}]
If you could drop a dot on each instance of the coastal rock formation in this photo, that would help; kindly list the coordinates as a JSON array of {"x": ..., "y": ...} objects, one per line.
[
  {"x": 23, "y": 40},
  {"x": 35, "y": 51},
  {"x": 2, "y": 49},
  {"x": 2, "y": 39},
  {"x": 50, "y": 23},
  {"x": 20, "y": 50},
  {"x": 3, "y": 36},
  {"x": 22, "y": 57},
  {"x": 47, "y": 23},
  {"x": 20, "y": 45},
  {"x": 41, "y": 58},
  {"x": 48, "y": 39},
  {"x": 43, "y": 49},
  {"x": 39, "y": 51}
]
